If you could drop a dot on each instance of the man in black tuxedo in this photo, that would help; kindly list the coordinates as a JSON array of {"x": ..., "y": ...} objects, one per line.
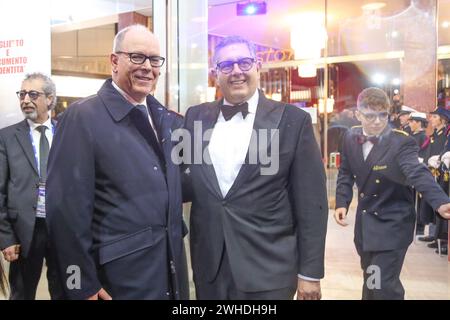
[
  {"x": 114, "y": 201},
  {"x": 257, "y": 227},
  {"x": 384, "y": 164},
  {"x": 24, "y": 149}
]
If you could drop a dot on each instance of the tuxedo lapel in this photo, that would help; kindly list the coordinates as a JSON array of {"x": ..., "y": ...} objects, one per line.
[
  {"x": 267, "y": 120},
  {"x": 23, "y": 136},
  {"x": 209, "y": 119}
]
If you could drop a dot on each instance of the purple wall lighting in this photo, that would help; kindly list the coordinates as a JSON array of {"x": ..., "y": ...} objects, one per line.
[{"x": 251, "y": 8}]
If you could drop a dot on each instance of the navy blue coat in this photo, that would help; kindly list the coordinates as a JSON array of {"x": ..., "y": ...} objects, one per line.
[
  {"x": 112, "y": 211},
  {"x": 385, "y": 216}
]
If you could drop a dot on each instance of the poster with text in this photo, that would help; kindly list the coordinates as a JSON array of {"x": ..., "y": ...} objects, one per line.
[{"x": 24, "y": 48}]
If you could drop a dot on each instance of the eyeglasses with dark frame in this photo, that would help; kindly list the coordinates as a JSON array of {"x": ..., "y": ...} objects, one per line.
[
  {"x": 33, "y": 94},
  {"x": 371, "y": 116},
  {"x": 139, "y": 58},
  {"x": 244, "y": 64}
]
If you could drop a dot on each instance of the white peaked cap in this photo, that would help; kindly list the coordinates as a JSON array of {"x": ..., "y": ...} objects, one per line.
[
  {"x": 406, "y": 109},
  {"x": 418, "y": 116}
]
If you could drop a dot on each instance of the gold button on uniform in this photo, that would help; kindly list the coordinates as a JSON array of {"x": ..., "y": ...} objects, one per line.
[{"x": 377, "y": 181}]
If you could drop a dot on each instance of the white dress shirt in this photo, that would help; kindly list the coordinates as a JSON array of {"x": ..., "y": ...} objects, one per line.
[
  {"x": 366, "y": 147},
  {"x": 229, "y": 144},
  {"x": 36, "y": 135},
  {"x": 135, "y": 103}
]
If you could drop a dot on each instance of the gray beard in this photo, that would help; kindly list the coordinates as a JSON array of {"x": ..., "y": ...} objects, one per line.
[{"x": 31, "y": 115}]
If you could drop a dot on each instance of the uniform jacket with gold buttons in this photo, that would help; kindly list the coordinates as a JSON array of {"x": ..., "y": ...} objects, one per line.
[{"x": 385, "y": 215}]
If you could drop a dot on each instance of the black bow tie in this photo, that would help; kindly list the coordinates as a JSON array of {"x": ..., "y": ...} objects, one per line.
[
  {"x": 228, "y": 112},
  {"x": 361, "y": 139}
]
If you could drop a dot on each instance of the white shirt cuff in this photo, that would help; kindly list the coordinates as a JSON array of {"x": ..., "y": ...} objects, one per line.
[{"x": 307, "y": 278}]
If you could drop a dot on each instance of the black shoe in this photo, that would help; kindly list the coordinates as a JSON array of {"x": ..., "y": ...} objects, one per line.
[
  {"x": 444, "y": 250},
  {"x": 432, "y": 245},
  {"x": 426, "y": 239}
]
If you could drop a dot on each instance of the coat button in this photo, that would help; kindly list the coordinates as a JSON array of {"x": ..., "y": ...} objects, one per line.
[
  {"x": 375, "y": 213},
  {"x": 364, "y": 211},
  {"x": 155, "y": 168},
  {"x": 375, "y": 195},
  {"x": 377, "y": 181},
  {"x": 362, "y": 195}
]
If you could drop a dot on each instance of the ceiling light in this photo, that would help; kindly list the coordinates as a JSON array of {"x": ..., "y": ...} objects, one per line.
[
  {"x": 396, "y": 81},
  {"x": 379, "y": 78},
  {"x": 251, "y": 8},
  {"x": 372, "y": 6}
]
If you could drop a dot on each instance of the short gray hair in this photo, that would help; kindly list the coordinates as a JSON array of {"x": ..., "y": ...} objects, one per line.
[
  {"x": 49, "y": 87},
  {"x": 228, "y": 41},
  {"x": 118, "y": 39}
]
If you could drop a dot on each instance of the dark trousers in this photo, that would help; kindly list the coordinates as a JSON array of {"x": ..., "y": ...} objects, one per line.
[
  {"x": 24, "y": 273},
  {"x": 382, "y": 274},
  {"x": 224, "y": 288},
  {"x": 420, "y": 227}
]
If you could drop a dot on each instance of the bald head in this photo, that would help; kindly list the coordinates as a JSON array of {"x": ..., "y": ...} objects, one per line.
[{"x": 136, "y": 28}]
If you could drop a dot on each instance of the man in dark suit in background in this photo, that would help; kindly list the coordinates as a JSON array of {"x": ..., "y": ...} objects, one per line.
[
  {"x": 384, "y": 164},
  {"x": 24, "y": 149},
  {"x": 114, "y": 202},
  {"x": 257, "y": 227}
]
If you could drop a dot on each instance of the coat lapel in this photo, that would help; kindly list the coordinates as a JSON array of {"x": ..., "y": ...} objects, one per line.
[
  {"x": 163, "y": 125},
  {"x": 23, "y": 136},
  {"x": 209, "y": 119},
  {"x": 355, "y": 150},
  {"x": 267, "y": 119},
  {"x": 119, "y": 108}
]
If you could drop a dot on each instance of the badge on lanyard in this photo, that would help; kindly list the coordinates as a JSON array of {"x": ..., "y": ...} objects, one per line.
[{"x": 40, "y": 210}]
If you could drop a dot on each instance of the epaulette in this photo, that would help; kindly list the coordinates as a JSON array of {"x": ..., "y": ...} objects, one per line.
[{"x": 401, "y": 132}]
